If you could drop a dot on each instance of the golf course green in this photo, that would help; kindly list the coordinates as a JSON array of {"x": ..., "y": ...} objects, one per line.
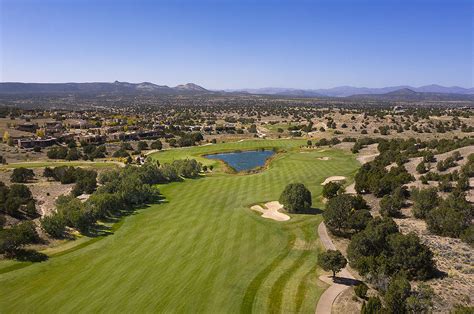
[{"x": 202, "y": 250}]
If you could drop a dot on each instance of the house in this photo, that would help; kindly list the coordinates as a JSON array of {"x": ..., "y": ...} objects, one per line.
[
  {"x": 27, "y": 127},
  {"x": 36, "y": 142}
]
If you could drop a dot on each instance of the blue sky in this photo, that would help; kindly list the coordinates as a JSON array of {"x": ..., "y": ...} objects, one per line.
[{"x": 239, "y": 44}]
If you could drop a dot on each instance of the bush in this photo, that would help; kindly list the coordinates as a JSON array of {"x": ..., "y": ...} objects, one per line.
[
  {"x": 142, "y": 145},
  {"x": 390, "y": 207},
  {"x": 121, "y": 153},
  {"x": 57, "y": 152},
  {"x": 445, "y": 185},
  {"x": 156, "y": 145},
  {"x": 22, "y": 175},
  {"x": 331, "y": 189},
  {"x": 54, "y": 225},
  {"x": 420, "y": 300},
  {"x": 451, "y": 218},
  {"x": 468, "y": 235},
  {"x": 296, "y": 198},
  {"x": 12, "y": 239},
  {"x": 424, "y": 201},
  {"x": 373, "y": 306},
  {"x": 102, "y": 205},
  {"x": 398, "y": 291},
  {"x": 421, "y": 168},
  {"x": 361, "y": 290},
  {"x": 462, "y": 309},
  {"x": 74, "y": 213}
]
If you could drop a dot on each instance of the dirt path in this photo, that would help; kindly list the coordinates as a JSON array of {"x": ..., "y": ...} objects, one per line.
[{"x": 344, "y": 278}]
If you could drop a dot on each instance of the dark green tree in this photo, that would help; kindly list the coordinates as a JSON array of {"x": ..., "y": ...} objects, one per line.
[
  {"x": 396, "y": 295},
  {"x": 22, "y": 175},
  {"x": 331, "y": 189},
  {"x": 296, "y": 198},
  {"x": 424, "y": 201},
  {"x": 373, "y": 306},
  {"x": 332, "y": 260}
]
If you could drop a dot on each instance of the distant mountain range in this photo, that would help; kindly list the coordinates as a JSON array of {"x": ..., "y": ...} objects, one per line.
[
  {"x": 99, "y": 88},
  {"x": 345, "y": 91},
  {"x": 406, "y": 94},
  {"x": 402, "y": 93}
]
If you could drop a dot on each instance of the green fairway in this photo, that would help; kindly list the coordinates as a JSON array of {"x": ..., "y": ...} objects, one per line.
[{"x": 202, "y": 250}]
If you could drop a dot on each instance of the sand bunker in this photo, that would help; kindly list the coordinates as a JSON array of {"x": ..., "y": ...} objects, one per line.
[
  {"x": 323, "y": 158},
  {"x": 351, "y": 189},
  {"x": 271, "y": 211},
  {"x": 333, "y": 178}
]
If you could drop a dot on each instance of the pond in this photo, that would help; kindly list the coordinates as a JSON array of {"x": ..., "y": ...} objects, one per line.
[{"x": 245, "y": 160}]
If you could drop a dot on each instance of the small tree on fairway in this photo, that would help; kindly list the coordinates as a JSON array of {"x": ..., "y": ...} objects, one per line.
[
  {"x": 296, "y": 197},
  {"x": 332, "y": 260}
]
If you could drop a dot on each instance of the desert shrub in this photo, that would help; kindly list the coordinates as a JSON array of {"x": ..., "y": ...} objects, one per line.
[
  {"x": 54, "y": 225},
  {"x": 58, "y": 152},
  {"x": 373, "y": 306},
  {"x": 452, "y": 217},
  {"x": 395, "y": 297},
  {"x": 360, "y": 290},
  {"x": 468, "y": 235},
  {"x": 102, "y": 205},
  {"x": 421, "y": 168},
  {"x": 22, "y": 175},
  {"x": 121, "y": 153},
  {"x": 424, "y": 201},
  {"x": 445, "y": 185},
  {"x": 420, "y": 300},
  {"x": 14, "y": 238},
  {"x": 156, "y": 145},
  {"x": 390, "y": 206},
  {"x": 74, "y": 213},
  {"x": 331, "y": 189}
]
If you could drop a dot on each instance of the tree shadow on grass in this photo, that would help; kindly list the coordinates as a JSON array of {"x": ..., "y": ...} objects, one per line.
[
  {"x": 98, "y": 231},
  {"x": 310, "y": 211},
  {"x": 25, "y": 255}
]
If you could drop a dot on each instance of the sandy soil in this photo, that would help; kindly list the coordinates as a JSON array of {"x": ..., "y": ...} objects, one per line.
[
  {"x": 346, "y": 302},
  {"x": 271, "y": 211},
  {"x": 323, "y": 158},
  {"x": 454, "y": 258},
  {"x": 367, "y": 154},
  {"x": 410, "y": 166},
  {"x": 333, "y": 178},
  {"x": 350, "y": 189}
]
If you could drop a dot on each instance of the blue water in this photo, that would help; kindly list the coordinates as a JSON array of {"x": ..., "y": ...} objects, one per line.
[{"x": 245, "y": 160}]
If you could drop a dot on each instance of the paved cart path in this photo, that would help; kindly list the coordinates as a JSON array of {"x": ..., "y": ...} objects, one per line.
[{"x": 344, "y": 278}]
